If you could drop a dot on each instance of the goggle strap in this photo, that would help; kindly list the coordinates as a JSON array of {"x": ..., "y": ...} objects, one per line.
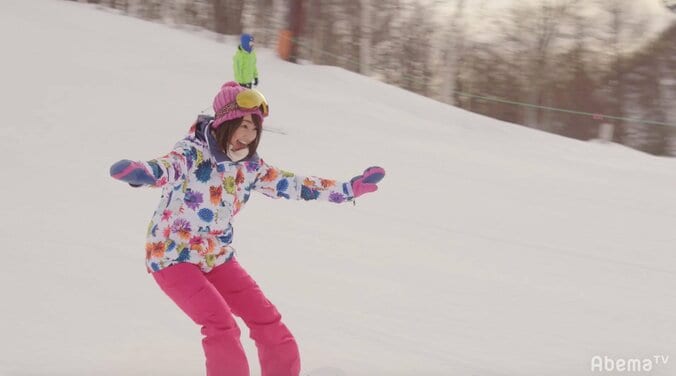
[{"x": 232, "y": 106}]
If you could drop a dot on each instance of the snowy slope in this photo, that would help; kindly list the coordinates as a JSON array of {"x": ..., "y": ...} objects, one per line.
[{"x": 491, "y": 249}]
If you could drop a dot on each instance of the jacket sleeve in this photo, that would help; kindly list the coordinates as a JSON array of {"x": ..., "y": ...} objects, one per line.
[
  {"x": 255, "y": 66},
  {"x": 237, "y": 68},
  {"x": 172, "y": 167},
  {"x": 276, "y": 183}
]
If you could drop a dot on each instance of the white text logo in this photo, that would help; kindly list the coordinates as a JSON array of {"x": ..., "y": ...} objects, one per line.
[{"x": 637, "y": 365}]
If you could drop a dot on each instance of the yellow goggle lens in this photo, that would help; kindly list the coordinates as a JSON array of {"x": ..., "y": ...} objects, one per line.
[{"x": 250, "y": 99}]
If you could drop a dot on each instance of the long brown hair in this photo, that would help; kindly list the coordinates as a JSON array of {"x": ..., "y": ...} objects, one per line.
[{"x": 225, "y": 131}]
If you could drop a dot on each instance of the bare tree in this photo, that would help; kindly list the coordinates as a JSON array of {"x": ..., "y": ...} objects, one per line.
[
  {"x": 623, "y": 26},
  {"x": 381, "y": 35},
  {"x": 533, "y": 33},
  {"x": 365, "y": 36},
  {"x": 296, "y": 17},
  {"x": 415, "y": 50},
  {"x": 322, "y": 42},
  {"x": 355, "y": 13},
  {"x": 453, "y": 54},
  {"x": 262, "y": 21},
  {"x": 574, "y": 83},
  {"x": 151, "y": 9},
  {"x": 651, "y": 88},
  {"x": 227, "y": 16}
]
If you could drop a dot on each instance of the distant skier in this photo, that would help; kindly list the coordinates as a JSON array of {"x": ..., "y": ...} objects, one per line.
[
  {"x": 244, "y": 62},
  {"x": 206, "y": 180}
]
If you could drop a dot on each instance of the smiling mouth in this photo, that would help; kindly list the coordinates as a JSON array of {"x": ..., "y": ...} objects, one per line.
[{"x": 239, "y": 145}]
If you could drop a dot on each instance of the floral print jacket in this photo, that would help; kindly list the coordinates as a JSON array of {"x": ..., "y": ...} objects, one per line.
[{"x": 203, "y": 190}]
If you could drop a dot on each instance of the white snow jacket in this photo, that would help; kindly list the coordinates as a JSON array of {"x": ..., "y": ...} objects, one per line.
[{"x": 203, "y": 190}]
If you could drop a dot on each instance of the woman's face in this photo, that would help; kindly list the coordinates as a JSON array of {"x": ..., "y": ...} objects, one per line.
[{"x": 244, "y": 134}]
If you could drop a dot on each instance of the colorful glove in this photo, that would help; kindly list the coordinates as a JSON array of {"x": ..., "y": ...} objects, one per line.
[
  {"x": 366, "y": 183},
  {"x": 134, "y": 173},
  {"x": 255, "y": 83}
]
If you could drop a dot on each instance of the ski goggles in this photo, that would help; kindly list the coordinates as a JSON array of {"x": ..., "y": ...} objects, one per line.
[{"x": 249, "y": 100}]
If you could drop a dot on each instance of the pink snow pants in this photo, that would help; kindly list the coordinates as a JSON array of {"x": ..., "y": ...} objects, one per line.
[{"x": 210, "y": 299}]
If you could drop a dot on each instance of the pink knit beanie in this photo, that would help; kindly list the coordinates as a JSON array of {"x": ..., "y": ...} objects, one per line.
[{"x": 225, "y": 106}]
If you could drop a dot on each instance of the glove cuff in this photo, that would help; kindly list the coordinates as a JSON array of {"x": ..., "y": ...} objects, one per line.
[{"x": 349, "y": 192}]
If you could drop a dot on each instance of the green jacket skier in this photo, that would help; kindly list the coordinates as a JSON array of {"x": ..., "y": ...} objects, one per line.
[{"x": 244, "y": 62}]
